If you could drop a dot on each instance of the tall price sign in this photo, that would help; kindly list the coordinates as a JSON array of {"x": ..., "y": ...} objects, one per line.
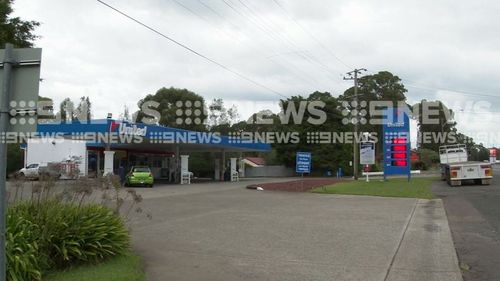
[{"x": 396, "y": 130}]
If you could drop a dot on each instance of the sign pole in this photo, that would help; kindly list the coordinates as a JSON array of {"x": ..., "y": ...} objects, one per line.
[{"x": 4, "y": 123}]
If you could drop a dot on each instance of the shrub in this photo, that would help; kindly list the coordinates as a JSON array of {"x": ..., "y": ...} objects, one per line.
[
  {"x": 419, "y": 165},
  {"x": 23, "y": 259},
  {"x": 89, "y": 234},
  {"x": 429, "y": 157},
  {"x": 52, "y": 233},
  {"x": 54, "y": 230}
]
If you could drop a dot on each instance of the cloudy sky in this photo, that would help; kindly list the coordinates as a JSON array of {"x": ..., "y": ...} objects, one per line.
[{"x": 445, "y": 50}]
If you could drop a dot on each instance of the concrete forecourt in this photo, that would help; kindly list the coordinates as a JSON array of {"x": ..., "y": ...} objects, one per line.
[{"x": 226, "y": 232}]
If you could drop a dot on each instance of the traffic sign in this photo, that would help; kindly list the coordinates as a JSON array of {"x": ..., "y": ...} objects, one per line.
[
  {"x": 303, "y": 163},
  {"x": 23, "y": 82}
]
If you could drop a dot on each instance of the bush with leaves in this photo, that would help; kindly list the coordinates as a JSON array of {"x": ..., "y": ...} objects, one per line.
[
  {"x": 70, "y": 234},
  {"x": 49, "y": 230},
  {"x": 24, "y": 261},
  {"x": 90, "y": 234},
  {"x": 419, "y": 165}
]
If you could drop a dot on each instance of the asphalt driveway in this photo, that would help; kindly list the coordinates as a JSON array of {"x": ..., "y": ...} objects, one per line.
[{"x": 474, "y": 217}]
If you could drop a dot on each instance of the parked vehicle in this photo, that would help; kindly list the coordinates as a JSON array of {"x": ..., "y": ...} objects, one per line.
[
  {"x": 70, "y": 154},
  {"x": 35, "y": 171},
  {"x": 456, "y": 169},
  {"x": 139, "y": 175}
]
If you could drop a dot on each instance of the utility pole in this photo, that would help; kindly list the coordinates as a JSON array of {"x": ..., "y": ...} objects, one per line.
[{"x": 353, "y": 75}]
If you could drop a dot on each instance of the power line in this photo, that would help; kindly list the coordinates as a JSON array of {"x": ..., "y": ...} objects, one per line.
[
  {"x": 267, "y": 31},
  {"x": 191, "y": 11},
  {"x": 191, "y": 50},
  {"x": 476, "y": 112},
  {"x": 311, "y": 35},
  {"x": 270, "y": 23},
  {"x": 415, "y": 85},
  {"x": 210, "y": 8},
  {"x": 273, "y": 35},
  {"x": 452, "y": 90},
  {"x": 309, "y": 80}
]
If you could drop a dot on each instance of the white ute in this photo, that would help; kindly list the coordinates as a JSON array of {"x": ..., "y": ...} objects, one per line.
[
  {"x": 34, "y": 171},
  {"x": 456, "y": 169}
]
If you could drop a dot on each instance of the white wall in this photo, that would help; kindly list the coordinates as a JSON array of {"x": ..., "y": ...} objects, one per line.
[{"x": 44, "y": 150}]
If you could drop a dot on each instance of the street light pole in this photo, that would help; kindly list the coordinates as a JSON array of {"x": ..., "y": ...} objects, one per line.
[{"x": 353, "y": 75}]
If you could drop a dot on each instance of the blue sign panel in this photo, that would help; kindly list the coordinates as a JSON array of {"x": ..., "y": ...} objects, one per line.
[
  {"x": 396, "y": 140},
  {"x": 303, "y": 163}
]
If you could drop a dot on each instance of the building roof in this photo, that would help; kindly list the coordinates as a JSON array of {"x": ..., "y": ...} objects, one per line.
[
  {"x": 257, "y": 161},
  {"x": 254, "y": 161},
  {"x": 143, "y": 136}
]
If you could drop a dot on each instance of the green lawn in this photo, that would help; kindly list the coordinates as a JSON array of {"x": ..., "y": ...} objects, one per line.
[
  {"x": 123, "y": 268},
  {"x": 399, "y": 187}
]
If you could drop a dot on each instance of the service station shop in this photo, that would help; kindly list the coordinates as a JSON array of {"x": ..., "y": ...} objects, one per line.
[{"x": 103, "y": 146}]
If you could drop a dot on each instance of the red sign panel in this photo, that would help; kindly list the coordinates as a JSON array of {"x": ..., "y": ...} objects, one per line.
[
  {"x": 399, "y": 163},
  {"x": 399, "y": 155},
  {"x": 399, "y": 140}
]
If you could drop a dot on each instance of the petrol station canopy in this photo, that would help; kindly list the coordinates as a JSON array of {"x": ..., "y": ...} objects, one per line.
[{"x": 144, "y": 137}]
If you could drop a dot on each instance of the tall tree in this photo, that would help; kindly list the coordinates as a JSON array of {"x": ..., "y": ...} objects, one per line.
[
  {"x": 125, "y": 115},
  {"x": 326, "y": 156},
  {"x": 84, "y": 110},
  {"x": 479, "y": 153},
  {"x": 262, "y": 121},
  {"x": 15, "y": 30},
  {"x": 66, "y": 110},
  {"x": 381, "y": 87},
  {"x": 435, "y": 124},
  {"x": 15, "y": 158},
  {"x": 178, "y": 108},
  {"x": 220, "y": 119}
]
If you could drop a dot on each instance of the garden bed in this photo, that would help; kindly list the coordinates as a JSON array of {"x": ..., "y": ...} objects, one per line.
[{"x": 297, "y": 185}]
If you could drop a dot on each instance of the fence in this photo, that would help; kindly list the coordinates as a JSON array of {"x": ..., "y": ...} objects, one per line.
[{"x": 268, "y": 171}]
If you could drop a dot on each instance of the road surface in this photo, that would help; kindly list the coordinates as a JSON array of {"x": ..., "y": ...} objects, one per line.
[{"x": 474, "y": 216}]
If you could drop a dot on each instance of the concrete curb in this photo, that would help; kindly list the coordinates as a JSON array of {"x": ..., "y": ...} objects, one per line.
[{"x": 426, "y": 250}]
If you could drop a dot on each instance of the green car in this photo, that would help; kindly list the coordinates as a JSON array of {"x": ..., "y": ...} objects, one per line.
[{"x": 139, "y": 175}]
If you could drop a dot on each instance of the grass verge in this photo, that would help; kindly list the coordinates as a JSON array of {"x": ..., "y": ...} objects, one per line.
[
  {"x": 398, "y": 187},
  {"x": 122, "y": 268}
]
